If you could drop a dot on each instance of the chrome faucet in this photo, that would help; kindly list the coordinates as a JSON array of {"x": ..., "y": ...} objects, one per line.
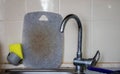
[{"x": 80, "y": 63}]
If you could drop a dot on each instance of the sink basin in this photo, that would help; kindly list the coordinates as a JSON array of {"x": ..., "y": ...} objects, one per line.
[
  {"x": 45, "y": 71},
  {"x": 41, "y": 71}
]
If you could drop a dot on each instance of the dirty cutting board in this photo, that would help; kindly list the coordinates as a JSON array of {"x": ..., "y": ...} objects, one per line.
[{"x": 42, "y": 40}]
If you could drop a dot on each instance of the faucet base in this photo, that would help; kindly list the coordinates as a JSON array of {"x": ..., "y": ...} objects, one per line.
[
  {"x": 79, "y": 69},
  {"x": 79, "y": 73}
]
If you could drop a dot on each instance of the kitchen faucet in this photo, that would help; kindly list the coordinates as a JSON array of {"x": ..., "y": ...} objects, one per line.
[{"x": 80, "y": 63}]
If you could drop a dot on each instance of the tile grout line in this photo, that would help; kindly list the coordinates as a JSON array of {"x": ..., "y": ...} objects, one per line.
[
  {"x": 91, "y": 23},
  {"x": 10, "y": 20},
  {"x": 59, "y": 6}
]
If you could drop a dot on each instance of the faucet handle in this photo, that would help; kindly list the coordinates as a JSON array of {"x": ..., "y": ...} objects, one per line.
[{"x": 96, "y": 58}]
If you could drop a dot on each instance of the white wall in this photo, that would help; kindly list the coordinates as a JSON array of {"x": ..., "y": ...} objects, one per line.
[{"x": 100, "y": 20}]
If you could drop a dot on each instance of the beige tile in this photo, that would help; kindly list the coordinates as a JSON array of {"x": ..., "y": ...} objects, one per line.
[
  {"x": 1, "y": 9},
  {"x": 2, "y": 32},
  {"x": 105, "y": 29},
  {"x": 82, "y": 8},
  {"x": 106, "y": 10},
  {"x": 11, "y": 33},
  {"x": 42, "y": 5},
  {"x": 70, "y": 42},
  {"x": 12, "y": 9},
  {"x": 105, "y": 37}
]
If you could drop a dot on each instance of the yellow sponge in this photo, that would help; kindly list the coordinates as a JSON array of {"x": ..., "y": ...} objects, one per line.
[{"x": 17, "y": 49}]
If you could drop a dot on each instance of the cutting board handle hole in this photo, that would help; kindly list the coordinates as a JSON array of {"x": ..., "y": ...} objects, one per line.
[{"x": 43, "y": 18}]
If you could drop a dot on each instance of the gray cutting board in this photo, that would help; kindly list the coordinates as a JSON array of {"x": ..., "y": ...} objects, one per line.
[{"x": 42, "y": 40}]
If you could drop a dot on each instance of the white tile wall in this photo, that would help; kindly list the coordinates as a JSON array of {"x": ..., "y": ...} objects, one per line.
[
  {"x": 11, "y": 18},
  {"x": 12, "y": 9},
  {"x": 106, "y": 10},
  {"x": 42, "y": 5},
  {"x": 11, "y": 33},
  {"x": 2, "y": 40},
  {"x": 105, "y": 29},
  {"x": 105, "y": 37},
  {"x": 100, "y": 20},
  {"x": 81, "y": 8}
]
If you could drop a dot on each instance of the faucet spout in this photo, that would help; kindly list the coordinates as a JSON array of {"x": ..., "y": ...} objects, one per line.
[
  {"x": 65, "y": 20},
  {"x": 79, "y": 62}
]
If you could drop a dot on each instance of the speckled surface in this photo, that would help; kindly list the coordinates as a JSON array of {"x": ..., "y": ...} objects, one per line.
[{"x": 42, "y": 40}]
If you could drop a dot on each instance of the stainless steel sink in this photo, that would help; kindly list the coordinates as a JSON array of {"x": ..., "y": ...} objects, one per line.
[
  {"x": 44, "y": 71},
  {"x": 41, "y": 71}
]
